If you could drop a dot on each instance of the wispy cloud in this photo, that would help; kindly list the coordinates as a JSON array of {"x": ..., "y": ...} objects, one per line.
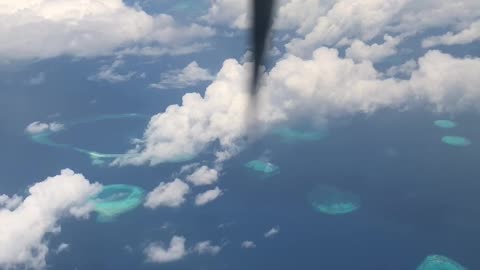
[
  {"x": 248, "y": 244},
  {"x": 110, "y": 73},
  {"x": 467, "y": 35},
  {"x": 62, "y": 248},
  {"x": 39, "y": 127},
  {"x": 272, "y": 232}
]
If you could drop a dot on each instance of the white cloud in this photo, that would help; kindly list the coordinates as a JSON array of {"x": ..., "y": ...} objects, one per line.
[
  {"x": 23, "y": 230},
  {"x": 109, "y": 73},
  {"x": 62, "y": 247},
  {"x": 248, "y": 244},
  {"x": 39, "y": 127},
  {"x": 364, "y": 20},
  {"x": 203, "y": 176},
  {"x": 359, "y": 51},
  {"x": 44, "y": 29},
  {"x": 10, "y": 203},
  {"x": 157, "y": 253},
  {"x": 188, "y": 76},
  {"x": 167, "y": 194},
  {"x": 206, "y": 247},
  {"x": 465, "y": 36},
  {"x": 208, "y": 196},
  {"x": 272, "y": 232},
  {"x": 334, "y": 22},
  {"x": 324, "y": 86},
  {"x": 37, "y": 79}
]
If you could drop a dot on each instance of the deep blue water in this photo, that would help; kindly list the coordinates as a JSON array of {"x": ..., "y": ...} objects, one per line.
[
  {"x": 419, "y": 196},
  {"x": 422, "y": 200}
]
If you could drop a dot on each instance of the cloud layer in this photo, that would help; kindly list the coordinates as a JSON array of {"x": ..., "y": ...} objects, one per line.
[
  {"x": 339, "y": 22},
  {"x": 324, "y": 86},
  {"x": 44, "y": 29}
]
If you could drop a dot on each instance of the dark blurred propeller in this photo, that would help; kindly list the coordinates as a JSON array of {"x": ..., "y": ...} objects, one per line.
[{"x": 262, "y": 22}]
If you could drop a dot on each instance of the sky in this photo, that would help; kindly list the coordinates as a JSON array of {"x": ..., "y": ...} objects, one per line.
[{"x": 154, "y": 94}]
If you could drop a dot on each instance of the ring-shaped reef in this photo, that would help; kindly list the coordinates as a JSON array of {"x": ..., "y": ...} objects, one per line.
[
  {"x": 290, "y": 135},
  {"x": 95, "y": 157},
  {"x": 456, "y": 141},
  {"x": 114, "y": 200},
  {"x": 444, "y": 123},
  {"x": 262, "y": 168},
  {"x": 439, "y": 262},
  {"x": 333, "y": 201}
]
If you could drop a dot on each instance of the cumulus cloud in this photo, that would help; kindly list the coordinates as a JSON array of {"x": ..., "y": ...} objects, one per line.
[
  {"x": 272, "y": 232},
  {"x": 157, "y": 253},
  {"x": 359, "y": 51},
  {"x": 185, "y": 130},
  {"x": 449, "y": 84},
  {"x": 39, "y": 127},
  {"x": 186, "y": 77},
  {"x": 208, "y": 196},
  {"x": 23, "y": 229},
  {"x": 170, "y": 194},
  {"x": 44, "y": 29},
  {"x": 467, "y": 35},
  {"x": 203, "y": 176},
  {"x": 110, "y": 74},
  {"x": 206, "y": 247},
  {"x": 248, "y": 244}
]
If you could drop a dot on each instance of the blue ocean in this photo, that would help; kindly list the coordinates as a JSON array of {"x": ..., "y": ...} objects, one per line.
[
  {"x": 376, "y": 191},
  {"x": 418, "y": 195}
]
